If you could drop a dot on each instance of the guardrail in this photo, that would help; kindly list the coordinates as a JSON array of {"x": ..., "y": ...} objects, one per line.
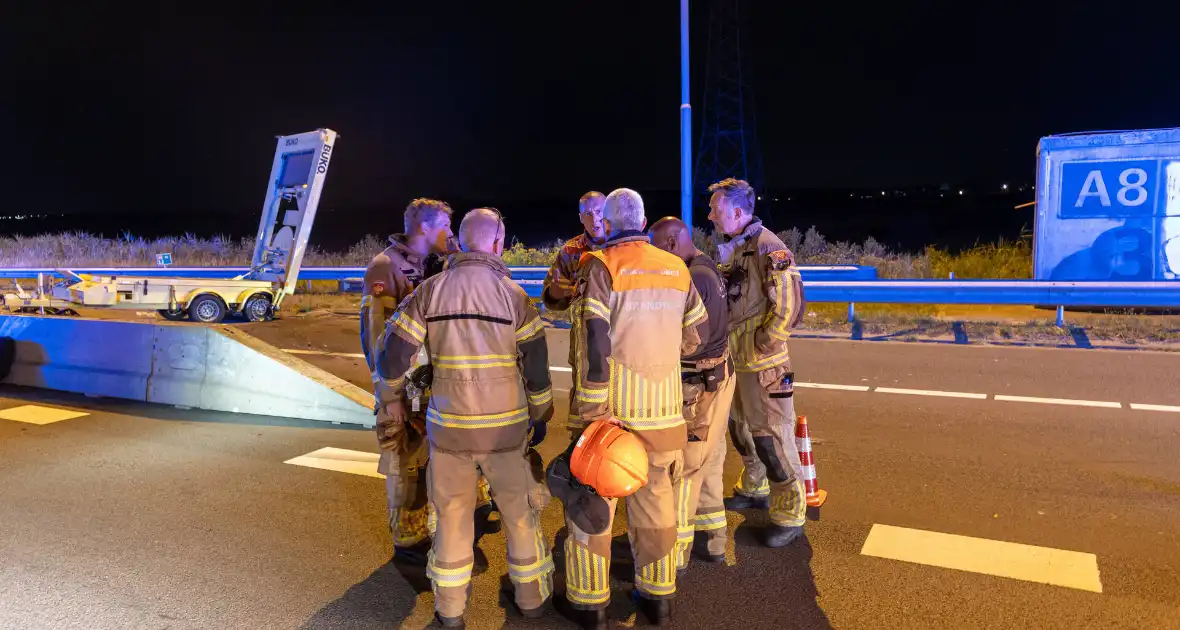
[
  {"x": 1014, "y": 292},
  {"x": 810, "y": 273}
]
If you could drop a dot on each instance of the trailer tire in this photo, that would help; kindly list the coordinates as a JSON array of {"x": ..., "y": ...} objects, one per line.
[
  {"x": 257, "y": 308},
  {"x": 207, "y": 309},
  {"x": 173, "y": 316},
  {"x": 7, "y": 356}
]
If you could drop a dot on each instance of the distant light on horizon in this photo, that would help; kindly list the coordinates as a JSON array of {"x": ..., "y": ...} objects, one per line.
[
  {"x": 960, "y": 191},
  {"x": 1004, "y": 187}
]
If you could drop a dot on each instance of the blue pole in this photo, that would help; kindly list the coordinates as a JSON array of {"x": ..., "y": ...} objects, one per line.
[{"x": 685, "y": 123}]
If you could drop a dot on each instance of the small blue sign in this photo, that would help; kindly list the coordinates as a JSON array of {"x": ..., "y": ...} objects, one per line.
[
  {"x": 1109, "y": 190},
  {"x": 164, "y": 260}
]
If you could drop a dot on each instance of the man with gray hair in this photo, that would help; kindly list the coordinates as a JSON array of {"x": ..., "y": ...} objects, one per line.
[
  {"x": 766, "y": 302},
  {"x": 627, "y": 372},
  {"x": 490, "y": 402}
]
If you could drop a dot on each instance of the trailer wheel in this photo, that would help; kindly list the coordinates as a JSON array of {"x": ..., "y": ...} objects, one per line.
[
  {"x": 257, "y": 308},
  {"x": 207, "y": 309},
  {"x": 172, "y": 316}
]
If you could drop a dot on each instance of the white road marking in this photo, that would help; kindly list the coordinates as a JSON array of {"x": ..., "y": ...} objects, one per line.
[
  {"x": 930, "y": 392},
  {"x": 851, "y": 388},
  {"x": 1143, "y": 407},
  {"x": 349, "y": 355},
  {"x": 884, "y": 390},
  {"x": 340, "y": 460},
  {"x": 1061, "y": 401},
  {"x": 36, "y": 414},
  {"x": 1059, "y": 567}
]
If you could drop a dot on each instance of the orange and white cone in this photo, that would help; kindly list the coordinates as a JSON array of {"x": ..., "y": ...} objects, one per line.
[{"x": 815, "y": 496}]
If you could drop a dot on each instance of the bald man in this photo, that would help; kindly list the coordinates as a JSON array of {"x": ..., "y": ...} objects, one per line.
[
  {"x": 487, "y": 411},
  {"x": 708, "y": 383}
]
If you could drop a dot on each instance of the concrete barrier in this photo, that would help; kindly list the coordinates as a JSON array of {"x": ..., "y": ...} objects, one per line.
[{"x": 217, "y": 368}]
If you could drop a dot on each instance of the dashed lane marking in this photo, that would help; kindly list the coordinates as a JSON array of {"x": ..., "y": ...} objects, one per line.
[
  {"x": 930, "y": 392},
  {"x": 850, "y": 388},
  {"x": 1143, "y": 407},
  {"x": 36, "y": 414},
  {"x": 340, "y": 460},
  {"x": 889, "y": 390},
  {"x": 1061, "y": 401},
  {"x": 1058, "y": 567},
  {"x": 348, "y": 355}
]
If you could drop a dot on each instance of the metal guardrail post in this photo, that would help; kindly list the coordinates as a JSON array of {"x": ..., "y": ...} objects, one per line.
[
  {"x": 1061, "y": 317},
  {"x": 851, "y": 312}
]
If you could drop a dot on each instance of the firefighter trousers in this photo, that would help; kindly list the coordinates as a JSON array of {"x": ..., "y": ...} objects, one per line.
[
  {"x": 762, "y": 426},
  {"x": 700, "y": 491},
  {"x": 411, "y": 517},
  {"x": 651, "y": 528},
  {"x": 520, "y": 494}
]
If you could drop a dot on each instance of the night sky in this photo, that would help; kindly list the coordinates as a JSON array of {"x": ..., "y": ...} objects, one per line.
[{"x": 176, "y": 108}]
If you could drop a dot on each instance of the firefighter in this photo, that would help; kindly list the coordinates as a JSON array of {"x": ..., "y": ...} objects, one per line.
[
  {"x": 486, "y": 413},
  {"x": 637, "y": 314},
  {"x": 765, "y": 296},
  {"x": 389, "y": 278},
  {"x": 559, "y": 282},
  {"x": 708, "y": 382}
]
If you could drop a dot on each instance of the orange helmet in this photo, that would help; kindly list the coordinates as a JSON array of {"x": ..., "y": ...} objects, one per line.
[{"x": 609, "y": 459}]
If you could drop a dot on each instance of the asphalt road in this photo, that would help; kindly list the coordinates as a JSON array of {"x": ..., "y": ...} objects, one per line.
[{"x": 138, "y": 516}]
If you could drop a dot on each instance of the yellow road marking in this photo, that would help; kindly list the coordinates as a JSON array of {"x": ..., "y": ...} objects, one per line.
[
  {"x": 1058, "y": 567},
  {"x": 36, "y": 414},
  {"x": 340, "y": 460}
]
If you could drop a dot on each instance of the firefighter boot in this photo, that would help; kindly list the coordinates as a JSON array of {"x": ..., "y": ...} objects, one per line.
[
  {"x": 781, "y": 536},
  {"x": 746, "y": 502},
  {"x": 412, "y": 555},
  {"x": 585, "y": 619},
  {"x": 449, "y": 622},
  {"x": 658, "y": 612}
]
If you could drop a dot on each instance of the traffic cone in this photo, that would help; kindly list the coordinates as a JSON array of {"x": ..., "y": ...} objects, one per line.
[{"x": 815, "y": 496}]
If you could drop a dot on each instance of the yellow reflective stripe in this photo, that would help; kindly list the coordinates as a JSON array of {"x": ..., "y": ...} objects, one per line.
[
  {"x": 450, "y": 578},
  {"x": 694, "y": 315},
  {"x": 586, "y": 581},
  {"x": 710, "y": 521},
  {"x": 659, "y": 577},
  {"x": 474, "y": 361},
  {"x": 594, "y": 307},
  {"x": 596, "y": 395},
  {"x": 762, "y": 490},
  {"x": 529, "y": 329},
  {"x": 412, "y": 328},
  {"x": 530, "y": 572},
  {"x": 653, "y": 424},
  {"x": 541, "y": 397},
  {"x": 484, "y": 421}
]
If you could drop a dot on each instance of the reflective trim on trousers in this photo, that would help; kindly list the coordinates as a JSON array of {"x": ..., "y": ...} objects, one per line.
[
  {"x": 763, "y": 490},
  {"x": 659, "y": 577},
  {"x": 789, "y": 509},
  {"x": 710, "y": 521},
  {"x": 410, "y": 527},
  {"x": 586, "y": 579},
  {"x": 449, "y": 578}
]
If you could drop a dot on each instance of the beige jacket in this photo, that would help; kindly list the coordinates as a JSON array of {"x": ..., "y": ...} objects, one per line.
[
  {"x": 487, "y": 345},
  {"x": 636, "y": 314},
  {"x": 559, "y": 282},
  {"x": 766, "y": 301},
  {"x": 389, "y": 278}
]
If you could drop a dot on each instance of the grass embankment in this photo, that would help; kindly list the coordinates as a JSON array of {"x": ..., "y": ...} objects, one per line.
[{"x": 1003, "y": 260}]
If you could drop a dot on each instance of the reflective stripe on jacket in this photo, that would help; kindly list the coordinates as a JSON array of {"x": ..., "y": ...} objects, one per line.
[
  {"x": 636, "y": 314},
  {"x": 487, "y": 345}
]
